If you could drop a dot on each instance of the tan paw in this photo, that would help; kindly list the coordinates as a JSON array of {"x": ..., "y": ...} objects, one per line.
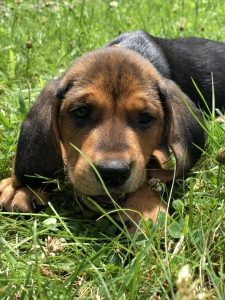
[
  {"x": 143, "y": 203},
  {"x": 15, "y": 198}
]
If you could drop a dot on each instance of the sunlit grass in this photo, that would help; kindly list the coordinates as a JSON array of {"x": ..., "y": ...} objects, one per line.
[{"x": 65, "y": 251}]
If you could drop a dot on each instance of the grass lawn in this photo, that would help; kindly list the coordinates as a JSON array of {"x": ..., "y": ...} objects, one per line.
[{"x": 63, "y": 252}]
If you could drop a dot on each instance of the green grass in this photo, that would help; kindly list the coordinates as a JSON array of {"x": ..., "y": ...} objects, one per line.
[{"x": 63, "y": 252}]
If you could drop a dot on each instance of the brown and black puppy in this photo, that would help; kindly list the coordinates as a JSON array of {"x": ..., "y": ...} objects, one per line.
[{"x": 113, "y": 112}]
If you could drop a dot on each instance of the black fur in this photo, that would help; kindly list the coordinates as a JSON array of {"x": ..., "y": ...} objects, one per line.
[
  {"x": 37, "y": 150},
  {"x": 61, "y": 92},
  {"x": 182, "y": 60},
  {"x": 183, "y": 129}
]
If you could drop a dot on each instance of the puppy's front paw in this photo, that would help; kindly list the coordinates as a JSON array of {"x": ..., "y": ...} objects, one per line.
[
  {"x": 143, "y": 203},
  {"x": 15, "y": 198}
]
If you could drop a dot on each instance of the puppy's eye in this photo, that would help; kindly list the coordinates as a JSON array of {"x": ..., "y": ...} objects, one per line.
[
  {"x": 80, "y": 112},
  {"x": 145, "y": 119}
]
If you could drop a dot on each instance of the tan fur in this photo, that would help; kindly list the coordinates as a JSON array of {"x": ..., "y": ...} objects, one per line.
[
  {"x": 16, "y": 198},
  {"x": 133, "y": 96},
  {"x": 142, "y": 203}
]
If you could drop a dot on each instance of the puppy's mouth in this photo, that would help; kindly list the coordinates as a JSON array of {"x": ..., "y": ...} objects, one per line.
[{"x": 105, "y": 201}]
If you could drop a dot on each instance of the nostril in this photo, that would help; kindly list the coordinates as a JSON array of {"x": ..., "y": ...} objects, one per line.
[
  {"x": 120, "y": 180},
  {"x": 113, "y": 172},
  {"x": 107, "y": 180}
]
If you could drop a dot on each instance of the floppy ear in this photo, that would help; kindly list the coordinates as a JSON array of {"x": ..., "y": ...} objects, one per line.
[
  {"x": 183, "y": 133},
  {"x": 38, "y": 149}
]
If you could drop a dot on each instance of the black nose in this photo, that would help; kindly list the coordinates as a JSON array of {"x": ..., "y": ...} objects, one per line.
[{"x": 113, "y": 172}]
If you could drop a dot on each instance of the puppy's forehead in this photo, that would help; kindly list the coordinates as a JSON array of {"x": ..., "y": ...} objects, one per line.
[{"x": 115, "y": 71}]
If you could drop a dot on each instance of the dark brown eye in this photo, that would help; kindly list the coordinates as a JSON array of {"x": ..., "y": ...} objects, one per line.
[
  {"x": 80, "y": 112},
  {"x": 145, "y": 119}
]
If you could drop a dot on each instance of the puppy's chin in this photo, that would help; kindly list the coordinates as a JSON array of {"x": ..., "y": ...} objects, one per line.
[
  {"x": 110, "y": 197},
  {"x": 105, "y": 201}
]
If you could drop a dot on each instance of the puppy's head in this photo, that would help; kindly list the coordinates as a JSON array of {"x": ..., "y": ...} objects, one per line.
[{"x": 117, "y": 110}]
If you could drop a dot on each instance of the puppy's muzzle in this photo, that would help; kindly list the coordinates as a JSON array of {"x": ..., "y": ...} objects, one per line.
[{"x": 113, "y": 172}]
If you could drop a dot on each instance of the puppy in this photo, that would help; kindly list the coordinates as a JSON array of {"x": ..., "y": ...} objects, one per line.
[{"x": 111, "y": 117}]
